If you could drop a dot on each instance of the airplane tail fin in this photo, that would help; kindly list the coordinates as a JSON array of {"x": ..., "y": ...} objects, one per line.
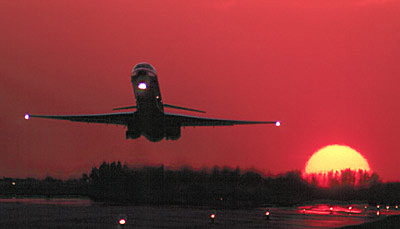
[
  {"x": 182, "y": 108},
  {"x": 124, "y": 108},
  {"x": 165, "y": 105}
]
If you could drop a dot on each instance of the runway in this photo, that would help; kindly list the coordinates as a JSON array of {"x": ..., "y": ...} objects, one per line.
[{"x": 83, "y": 213}]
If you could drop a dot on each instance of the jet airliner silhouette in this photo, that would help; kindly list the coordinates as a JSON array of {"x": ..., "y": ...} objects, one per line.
[{"x": 149, "y": 119}]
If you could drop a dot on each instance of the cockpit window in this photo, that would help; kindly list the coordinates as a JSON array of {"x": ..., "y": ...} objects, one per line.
[{"x": 144, "y": 65}]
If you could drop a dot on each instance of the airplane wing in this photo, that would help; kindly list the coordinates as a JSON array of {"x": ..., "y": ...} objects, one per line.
[
  {"x": 186, "y": 120},
  {"x": 110, "y": 118}
]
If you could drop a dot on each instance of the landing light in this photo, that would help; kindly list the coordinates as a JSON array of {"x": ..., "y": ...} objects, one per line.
[
  {"x": 212, "y": 216},
  {"x": 27, "y": 116},
  {"x": 277, "y": 123},
  {"x": 142, "y": 86}
]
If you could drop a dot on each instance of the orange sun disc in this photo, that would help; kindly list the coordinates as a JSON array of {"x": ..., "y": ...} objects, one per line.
[{"x": 336, "y": 158}]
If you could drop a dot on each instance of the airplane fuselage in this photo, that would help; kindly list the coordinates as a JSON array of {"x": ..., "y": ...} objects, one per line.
[{"x": 149, "y": 119}]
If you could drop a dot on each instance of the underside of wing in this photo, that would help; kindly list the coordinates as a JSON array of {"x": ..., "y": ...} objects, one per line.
[
  {"x": 110, "y": 118},
  {"x": 186, "y": 120}
]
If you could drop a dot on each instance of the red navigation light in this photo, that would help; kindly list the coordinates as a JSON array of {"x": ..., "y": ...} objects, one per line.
[
  {"x": 212, "y": 216},
  {"x": 142, "y": 86},
  {"x": 27, "y": 116},
  {"x": 122, "y": 221}
]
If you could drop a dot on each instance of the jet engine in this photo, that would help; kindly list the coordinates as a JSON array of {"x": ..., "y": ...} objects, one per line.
[
  {"x": 133, "y": 134},
  {"x": 173, "y": 132}
]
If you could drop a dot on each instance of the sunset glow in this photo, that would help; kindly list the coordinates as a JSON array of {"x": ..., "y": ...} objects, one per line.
[
  {"x": 330, "y": 161},
  {"x": 336, "y": 158}
]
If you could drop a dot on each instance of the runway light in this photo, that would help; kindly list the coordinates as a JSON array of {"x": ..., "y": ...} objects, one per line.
[
  {"x": 267, "y": 213},
  {"x": 350, "y": 207},
  {"x": 365, "y": 206},
  {"x": 212, "y": 217},
  {"x": 331, "y": 208},
  {"x": 378, "y": 213},
  {"x": 13, "y": 183},
  {"x": 27, "y": 116},
  {"x": 397, "y": 206},
  {"x": 142, "y": 86},
  {"x": 278, "y": 123},
  {"x": 122, "y": 221},
  {"x": 387, "y": 208},
  {"x": 378, "y": 206}
]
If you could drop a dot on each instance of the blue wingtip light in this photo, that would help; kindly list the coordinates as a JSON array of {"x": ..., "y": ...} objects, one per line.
[
  {"x": 27, "y": 116},
  {"x": 277, "y": 123}
]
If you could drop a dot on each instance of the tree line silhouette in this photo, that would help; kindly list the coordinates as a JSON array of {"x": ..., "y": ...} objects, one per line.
[{"x": 219, "y": 187}]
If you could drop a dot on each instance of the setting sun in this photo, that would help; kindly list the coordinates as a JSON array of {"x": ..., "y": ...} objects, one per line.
[{"x": 330, "y": 161}]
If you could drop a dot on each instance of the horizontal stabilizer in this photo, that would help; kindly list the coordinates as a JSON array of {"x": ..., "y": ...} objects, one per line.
[
  {"x": 183, "y": 108},
  {"x": 124, "y": 108}
]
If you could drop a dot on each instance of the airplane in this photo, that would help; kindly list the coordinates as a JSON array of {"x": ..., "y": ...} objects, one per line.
[{"x": 149, "y": 119}]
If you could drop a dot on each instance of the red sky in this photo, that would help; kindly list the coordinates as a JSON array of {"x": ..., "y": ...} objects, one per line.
[{"x": 329, "y": 70}]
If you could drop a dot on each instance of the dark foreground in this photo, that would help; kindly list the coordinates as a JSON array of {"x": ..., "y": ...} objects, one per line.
[
  {"x": 75, "y": 213},
  {"x": 388, "y": 222}
]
